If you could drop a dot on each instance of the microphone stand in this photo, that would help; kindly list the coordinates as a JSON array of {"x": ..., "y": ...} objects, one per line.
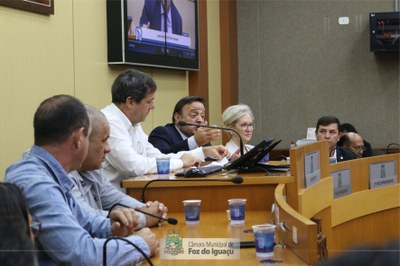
[
  {"x": 129, "y": 242},
  {"x": 169, "y": 220},
  {"x": 165, "y": 16},
  {"x": 183, "y": 123},
  {"x": 236, "y": 180}
]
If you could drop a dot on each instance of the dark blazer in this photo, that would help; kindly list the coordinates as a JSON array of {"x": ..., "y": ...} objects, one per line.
[
  {"x": 152, "y": 13},
  {"x": 368, "y": 149},
  {"x": 343, "y": 154},
  {"x": 167, "y": 139}
]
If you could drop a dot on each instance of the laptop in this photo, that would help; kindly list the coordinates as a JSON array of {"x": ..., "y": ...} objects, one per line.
[{"x": 248, "y": 163}]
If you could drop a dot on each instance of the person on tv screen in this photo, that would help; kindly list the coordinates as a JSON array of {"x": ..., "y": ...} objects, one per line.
[{"x": 156, "y": 12}]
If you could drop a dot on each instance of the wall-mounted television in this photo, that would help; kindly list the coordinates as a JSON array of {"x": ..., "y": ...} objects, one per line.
[
  {"x": 154, "y": 33},
  {"x": 384, "y": 31}
]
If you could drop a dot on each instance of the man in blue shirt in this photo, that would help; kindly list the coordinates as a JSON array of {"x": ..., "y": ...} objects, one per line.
[{"x": 70, "y": 234}]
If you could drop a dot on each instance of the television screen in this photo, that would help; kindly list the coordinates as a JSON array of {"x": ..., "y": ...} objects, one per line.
[
  {"x": 384, "y": 31},
  {"x": 156, "y": 33}
]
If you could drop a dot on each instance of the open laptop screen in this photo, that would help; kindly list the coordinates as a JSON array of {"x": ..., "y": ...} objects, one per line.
[{"x": 249, "y": 161}]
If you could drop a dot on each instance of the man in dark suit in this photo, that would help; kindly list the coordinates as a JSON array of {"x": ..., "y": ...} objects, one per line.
[
  {"x": 329, "y": 128},
  {"x": 347, "y": 127},
  {"x": 155, "y": 12},
  {"x": 174, "y": 138}
]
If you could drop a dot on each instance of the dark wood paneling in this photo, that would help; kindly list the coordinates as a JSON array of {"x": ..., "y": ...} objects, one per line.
[
  {"x": 198, "y": 80},
  {"x": 229, "y": 55}
]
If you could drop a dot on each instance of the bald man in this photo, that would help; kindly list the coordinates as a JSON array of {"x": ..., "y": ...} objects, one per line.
[{"x": 355, "y": 143}]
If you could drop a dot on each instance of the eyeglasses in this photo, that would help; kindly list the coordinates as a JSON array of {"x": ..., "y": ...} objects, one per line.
[
  {"x": 359, "y": 148},
  {"x": 245, "y": 126},
  {"x": 36, "y": 226}
]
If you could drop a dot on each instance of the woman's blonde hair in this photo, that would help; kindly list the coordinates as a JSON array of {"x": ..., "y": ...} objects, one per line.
[{"x": 233, "y": 113}]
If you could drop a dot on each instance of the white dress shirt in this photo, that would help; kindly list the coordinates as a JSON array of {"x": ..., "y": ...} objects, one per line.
[
  {"x": 191, "y": 141},
  {"x": 131, "y": 153},
  {"x": 232, "y": 147}
]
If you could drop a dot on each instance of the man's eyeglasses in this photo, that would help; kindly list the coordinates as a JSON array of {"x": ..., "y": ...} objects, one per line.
[
  {"x": 245, "y": 126},
  {"x": 358, "y": 148},
  {"x": 36, "y": 226}
]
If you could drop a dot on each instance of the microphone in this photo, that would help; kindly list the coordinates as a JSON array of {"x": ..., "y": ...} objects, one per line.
[
  {"x": 235, "y": 180},
  {"x": 168, "y": 220},
  {"x": 183, "y": 123},
  {"x": 129, "y": 242}
]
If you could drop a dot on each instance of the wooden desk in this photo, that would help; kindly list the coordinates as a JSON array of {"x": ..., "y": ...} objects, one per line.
[
  {"x": 257, "y": 188},
  {"x": 216, "y": 225},
  {"x": 364, "y": 217}
]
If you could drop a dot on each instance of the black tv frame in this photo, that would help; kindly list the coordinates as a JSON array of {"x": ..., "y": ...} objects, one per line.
[
  {"x": 383, "y": 27},
  {"x": 248, "y": 163},
  {"x": 117, "y": 41}
]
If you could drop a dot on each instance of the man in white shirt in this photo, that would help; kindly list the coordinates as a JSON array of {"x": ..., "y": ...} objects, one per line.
[{"x": 131, "y": 154}]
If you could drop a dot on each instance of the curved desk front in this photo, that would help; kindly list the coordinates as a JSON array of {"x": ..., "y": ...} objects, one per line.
[
  {"x": 366, "y": 216},
  {"x": 257, "y": 188}
]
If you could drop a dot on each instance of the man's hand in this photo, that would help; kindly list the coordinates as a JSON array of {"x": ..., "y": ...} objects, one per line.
[
  {"x": 150, "y": 239},
  {"x": 155, "y": 208},
  {"x": 189, "y": 160},
  {"x": 147, "y": 26},
  {"x": 123, "y": 221},
  {"x": 216, "y": 152},
  {"x": 204, "y": 135}
]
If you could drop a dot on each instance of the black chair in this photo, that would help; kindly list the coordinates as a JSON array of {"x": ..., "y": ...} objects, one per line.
[{"x": 395, "y": 150}]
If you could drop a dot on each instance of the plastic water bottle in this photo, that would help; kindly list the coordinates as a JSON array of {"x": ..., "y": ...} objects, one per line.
[{"x": 292, "y": 144}]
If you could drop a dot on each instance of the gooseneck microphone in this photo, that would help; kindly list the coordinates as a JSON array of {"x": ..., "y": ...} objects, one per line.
[
  {"x": 168, "y": 220},
  {"x": 183, "y": 123},
  {"x": 235, "y": 180}
]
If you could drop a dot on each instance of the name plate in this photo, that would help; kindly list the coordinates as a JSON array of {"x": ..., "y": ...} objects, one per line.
[
  {"x": 341, "y": 183},
  {"x": 382, "y": 174},
  {"x": 312, "y": 172},
  {"x": 161, "y": 37}
]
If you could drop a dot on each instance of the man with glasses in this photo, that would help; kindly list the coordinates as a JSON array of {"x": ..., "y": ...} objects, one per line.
[
  {"x": 175, "y": 138},
  {"x": 354, "y": 142},
  {"x": 347, "y": 127}
]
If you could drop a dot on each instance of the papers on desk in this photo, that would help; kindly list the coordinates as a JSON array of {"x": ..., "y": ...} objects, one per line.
[
  {"x": 276, "y": 166},
  {"x": 221, "y": 162}
]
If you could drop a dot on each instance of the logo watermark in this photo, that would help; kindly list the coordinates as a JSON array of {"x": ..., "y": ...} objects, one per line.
[{"x": 173, "y": 247}]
